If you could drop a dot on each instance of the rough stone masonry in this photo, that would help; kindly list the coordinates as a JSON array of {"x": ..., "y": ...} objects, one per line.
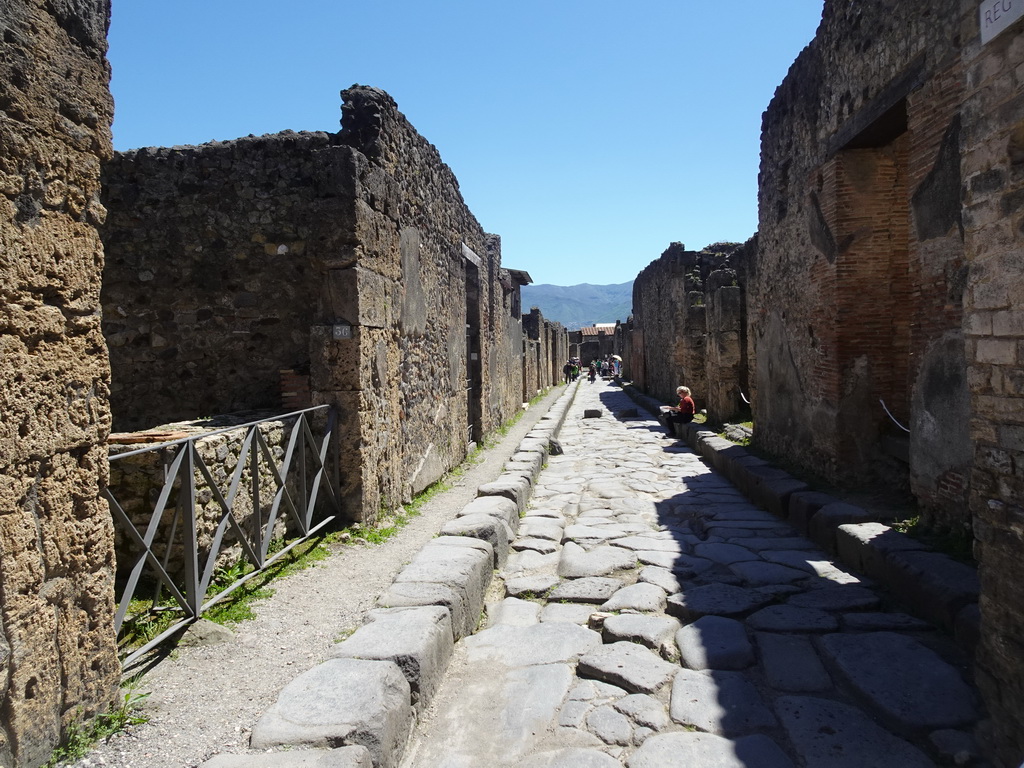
[{"x": 58, "y": 659}]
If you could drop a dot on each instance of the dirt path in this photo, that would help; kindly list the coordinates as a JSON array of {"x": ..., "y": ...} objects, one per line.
[{"x": 205, "y": 700}]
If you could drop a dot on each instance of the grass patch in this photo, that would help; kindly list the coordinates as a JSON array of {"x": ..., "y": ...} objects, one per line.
[
  {"x": 957, "y": 544},
  {"x": 79, "y": 739}
]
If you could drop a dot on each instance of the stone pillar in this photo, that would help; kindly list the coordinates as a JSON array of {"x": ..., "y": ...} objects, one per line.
[{"x": 57, "y": 648}]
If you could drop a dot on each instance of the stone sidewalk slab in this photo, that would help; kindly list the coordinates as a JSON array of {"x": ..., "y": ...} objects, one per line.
[
  {"x": 418, "y": 640},
  {"x": 338, "y": 703}
]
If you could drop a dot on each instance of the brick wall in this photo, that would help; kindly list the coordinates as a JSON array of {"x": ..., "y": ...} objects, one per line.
[
  {"x": 855, "y": 292},
  {"x": 58, "y": 657}
]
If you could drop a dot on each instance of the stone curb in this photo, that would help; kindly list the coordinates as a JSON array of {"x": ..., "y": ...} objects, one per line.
[
  {"x": 434, "y": 601},
  {"x": 930, "y": 585}
]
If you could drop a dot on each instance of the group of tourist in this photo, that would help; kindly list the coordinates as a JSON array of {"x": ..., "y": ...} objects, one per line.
[{"x": 609, "y": 366}]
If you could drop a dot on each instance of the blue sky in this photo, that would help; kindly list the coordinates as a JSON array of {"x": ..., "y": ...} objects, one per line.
[{"x": 589, "y": 134}]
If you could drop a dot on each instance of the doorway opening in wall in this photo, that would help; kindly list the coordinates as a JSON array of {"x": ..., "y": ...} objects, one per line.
[
  {"x": 874, "y": 295},
  {"x": 474, "y": 369}
]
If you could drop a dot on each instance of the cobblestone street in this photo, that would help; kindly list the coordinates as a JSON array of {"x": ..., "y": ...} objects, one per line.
[{"x": 651, "y": 616}]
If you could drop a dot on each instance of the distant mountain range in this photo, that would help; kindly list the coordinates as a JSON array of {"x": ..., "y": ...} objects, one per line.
[{"x": 575, "y": 306}]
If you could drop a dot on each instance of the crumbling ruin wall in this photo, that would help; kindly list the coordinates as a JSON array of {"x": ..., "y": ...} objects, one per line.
[
  {"x": 992, "y": 168},
  {"x": 350, "y": 256},
  {"x": 57, "y": 651},
  {"x": 211, "y": 274},
  {"x": 687, "y": 328},
  {"x": 855, "y": 294},
  {"x": 545, "y": 350}
]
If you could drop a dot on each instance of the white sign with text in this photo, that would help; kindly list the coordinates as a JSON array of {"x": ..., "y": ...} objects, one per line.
[{"x": 996, "y": 15}]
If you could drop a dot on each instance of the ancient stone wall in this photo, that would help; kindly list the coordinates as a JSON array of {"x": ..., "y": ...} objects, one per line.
[
  {"x": 855, "y": 294},
  {"x": 351, "y": 256},
  {"x": 210, "y": 271},
  {"x": 992, "y": 168},
  {"x": 57, "y": 652},
  {"x": 545, "y": 351},
  {"x": 687, "y": 328}
]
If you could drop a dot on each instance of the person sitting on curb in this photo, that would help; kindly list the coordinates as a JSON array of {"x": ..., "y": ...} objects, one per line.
[{"x": 678, "y": 414}]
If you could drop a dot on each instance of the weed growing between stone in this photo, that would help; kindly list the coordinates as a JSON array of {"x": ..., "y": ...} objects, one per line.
[{"x": 79, "y": 739}]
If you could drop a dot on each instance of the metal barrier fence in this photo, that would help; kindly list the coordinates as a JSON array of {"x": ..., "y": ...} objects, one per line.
[{"x": 173, "y": 565}]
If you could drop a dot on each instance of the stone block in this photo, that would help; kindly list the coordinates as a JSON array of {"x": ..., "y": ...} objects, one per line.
[
  {"x": 932, "y": 585},
  {"x": 408, "y": 594},
  {"x": 516, "y": 488},
  {"x": 418, "y": 640},
  {"x": 865, "y": 547},
  {"x": 773, "y": 493},
  {"x": 496, "y": 506},
  {"x": 803, "y": 505},
  {"x": 492, "y": 530},
  {"x": 338, "y": 703},
  {"x": 467, "y": 571},
  {"x": 823, "y": 525}
]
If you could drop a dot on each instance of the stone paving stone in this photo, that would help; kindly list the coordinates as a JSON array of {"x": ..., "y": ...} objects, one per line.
[
  {"x": 577, "y": 563},
  {"x": 531, "y": 563},
  {"x": 544, "y": 643},
  {"x": 573, "y": 613},
  {"x": 882, "y": 622},
  {"x": 515, "y": 708},
  {"x": 789, "y": 618},
  {"x": 714, "y": 642},
  {"x": 644, "y": 711},
  {"x": 647, "y": 543},
  {"x": 834, "y": 735},
  {"x": 628, "y": 665},
  {"x": 541, "y": 528},
  {"x": 956, "y": 747},
  {"x": 715, "y": 599},
  {"x": 706, "y": 750},
  {"x": 791, "y": 664},
  {"x": 661, "y": 577},
  {"x": 661, "y": 559},
  {"x": 726, "y": 554},
  {"x": 530, "y": 586},
  {"x": 837, "y": 598},
  {"x": 571, "y": 758},
  {"x": 655, "y": 632},
  {"x": 909, "y": 685},
  {"x": 544, "y": 546},
  {"x": 782, "y": 544},
  {"x": 588, "y": 534},
  {"x": 595, "y": 691},
  {"x": 794, "y": 558},
  {"x": 545, "y": 512},
  {"x": 343, "y": 757},
  {"x": 725, "y": 703},
  {"x": 574, "y": 713},
  {"x": 758, "y": 574},
  {"x": 609, "y": 725},
  {"x": 338, "y": 703},
  {"x": 593, "y": 589},
  {"x": 513, "y": 611},
  {"x": 644, "y": 597}
]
